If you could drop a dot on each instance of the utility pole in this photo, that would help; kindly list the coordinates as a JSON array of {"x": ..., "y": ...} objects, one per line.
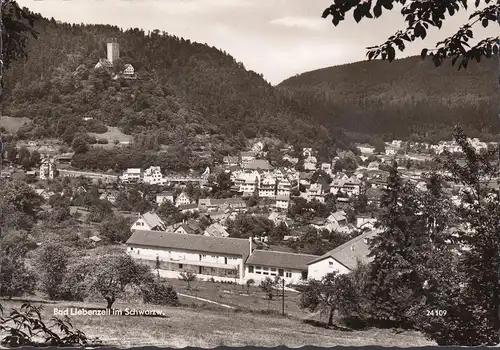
[
  {"x": 498, "y": 150},
  {"x": 283, "y": 297}
]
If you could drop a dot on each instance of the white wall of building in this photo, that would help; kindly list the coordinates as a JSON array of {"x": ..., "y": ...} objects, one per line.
[
  {"x": 190, "y": 258},
  {"x": 140, "y": 224},
  {"x": 321, "y": 268},
  {"x": 290, "y": 276}
]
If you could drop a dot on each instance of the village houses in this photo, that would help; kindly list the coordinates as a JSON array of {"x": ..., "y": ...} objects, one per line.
[
  {"x": 149, "y": 221},
  {"x": 165, "y": 196}
]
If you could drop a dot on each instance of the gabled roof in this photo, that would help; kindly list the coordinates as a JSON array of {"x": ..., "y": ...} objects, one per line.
[
  {"x": 349, "y": 257},
  {"x": 193, "y": 225},
  {"x": 186, "y": 229},
  {"x": 318, "y": 221},
  {"x": 166, "y": 194},
  {"x": 188, "y": 206},
  {"x": 197, "y": 243},
  {"x": 259, "y": 164},
  {"x": 280, "y": 259},
  {"x": 231, "y": 159},
  {"x": 104, "y": 63},
  {"x": 373, "y": 193},
  {"x": 339, "y": 215},
  {"x": 152, "y": 219},
  {"x": 248, "y": 154},
  {"x": 216, "y": 230}
]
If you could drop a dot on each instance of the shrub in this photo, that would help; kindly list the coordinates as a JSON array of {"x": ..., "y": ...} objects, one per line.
[{"x": 160, "y": 294}]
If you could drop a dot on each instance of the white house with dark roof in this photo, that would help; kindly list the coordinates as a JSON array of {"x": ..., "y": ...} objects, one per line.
[
  {"x": 131, "y": 175},
  {"x": 165, "y": 196},
  {"x": 149, "y": 221},
  {"x": 283, "y": 188},
  {"x": 267, "y": 187},
  {"x": 216, "y": 230},
  {"x": 129, "y": 70},
  {"x": 344, "y": 258},
  {"x": 153, "y": 176},
  {"x": 222, "y": 259},
  {"x": 182, "y": 199},
  {"x": 293, "y": 268},
  {"x": 310, "y": 163},
  {"x": 282, "y": 203}
]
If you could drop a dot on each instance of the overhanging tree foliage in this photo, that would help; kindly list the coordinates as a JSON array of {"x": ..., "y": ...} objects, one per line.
[
  {"x": 18, "y": 24},
  {"x": 419, "y": 16}
]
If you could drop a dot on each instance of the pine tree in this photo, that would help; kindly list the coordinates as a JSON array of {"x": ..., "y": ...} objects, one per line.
[
  {"x": 469, "y": 290},
  {"x": 395, "y": 278}
]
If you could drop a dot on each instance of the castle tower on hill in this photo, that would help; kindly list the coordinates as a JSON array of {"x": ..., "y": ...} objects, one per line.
[{"x": 113, "y": 51}]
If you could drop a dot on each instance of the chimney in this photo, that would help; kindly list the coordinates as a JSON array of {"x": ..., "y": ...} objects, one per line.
[{"x": 250, "y": 239}]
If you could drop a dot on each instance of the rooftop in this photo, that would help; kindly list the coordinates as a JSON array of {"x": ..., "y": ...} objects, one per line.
[
  {"x": 349, "y": 253},
  {"x": 230, "y": 246},
  {"x": 283, "y": 260}
]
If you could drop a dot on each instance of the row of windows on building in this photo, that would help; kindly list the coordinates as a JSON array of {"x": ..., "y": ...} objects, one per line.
[
  {"x": 269, "y": 271},
  {"x": 201, "y": 257}
]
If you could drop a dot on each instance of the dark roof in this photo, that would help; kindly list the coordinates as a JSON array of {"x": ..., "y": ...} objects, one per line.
[
  {"x": 280, "y": 259},
  {"x": 373, "y": 193},
  {"x": 318, "y": 221},
  {"x": 347, "y": 257},
  {"x": 230, "y": 246},
  {"x": 259, "y": 164}
]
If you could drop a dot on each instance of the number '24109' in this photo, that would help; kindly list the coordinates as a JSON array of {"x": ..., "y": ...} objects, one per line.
[{"x": 436, "y": 312}]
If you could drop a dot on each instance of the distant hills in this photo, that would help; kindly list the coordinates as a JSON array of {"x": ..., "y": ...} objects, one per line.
[
  {"x": 197, "y": 103},
  {"x": 409, "y": 97},
  {"x": 187, "y": 96}
]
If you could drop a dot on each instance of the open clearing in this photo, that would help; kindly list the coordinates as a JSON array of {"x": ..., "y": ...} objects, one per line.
[
  {"x": 12, "y": 125},
  {"x": 241, "y": 297},
  {"x": 209, "y": 328},
  {"x": 113, "y": 134}
]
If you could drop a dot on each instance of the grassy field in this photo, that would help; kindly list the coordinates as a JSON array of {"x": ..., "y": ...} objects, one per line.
[
  {"x": 199, "y": 327},
  {"x": 13, "y": 124},
  {"x": 240, "y": 297}
]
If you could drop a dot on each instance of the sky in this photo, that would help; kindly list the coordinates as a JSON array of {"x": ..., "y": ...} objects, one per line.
[{"x": 278, "y": 38}]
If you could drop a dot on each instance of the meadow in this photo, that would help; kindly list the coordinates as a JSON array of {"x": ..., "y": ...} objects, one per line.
[{"x": 209, "y": 327}]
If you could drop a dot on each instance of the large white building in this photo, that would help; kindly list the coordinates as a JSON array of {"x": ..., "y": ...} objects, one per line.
[
  {"x": 153, "y": 176},
  {"x": 223, "y": 259},
  {"x": 284, "y": 187},
  {"x": 267, "y": 188},
  {"x": 132, "y": 175},
  {"x": 209, "y": 257},
  {"x": 350, "y": 186}
]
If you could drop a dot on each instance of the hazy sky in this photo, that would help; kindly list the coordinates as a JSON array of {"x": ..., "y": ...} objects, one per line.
[{"x": 278, "y": 38}]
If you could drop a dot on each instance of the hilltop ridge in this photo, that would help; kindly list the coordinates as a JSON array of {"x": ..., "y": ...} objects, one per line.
[
  {"x": 187, "y": 97},
  {"x": 403, "y": 98}
]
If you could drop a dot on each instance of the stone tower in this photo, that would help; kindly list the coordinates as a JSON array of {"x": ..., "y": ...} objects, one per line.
[{"x": 113, "y": 51}]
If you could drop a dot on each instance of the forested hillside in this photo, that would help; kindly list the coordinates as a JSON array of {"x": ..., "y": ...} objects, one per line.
[
  {"x": 406, "y": 98},
  {"x": 188, "y": 96}
]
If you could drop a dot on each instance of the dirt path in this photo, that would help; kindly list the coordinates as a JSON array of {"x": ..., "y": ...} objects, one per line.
[{"x": 207, "y": 301}]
